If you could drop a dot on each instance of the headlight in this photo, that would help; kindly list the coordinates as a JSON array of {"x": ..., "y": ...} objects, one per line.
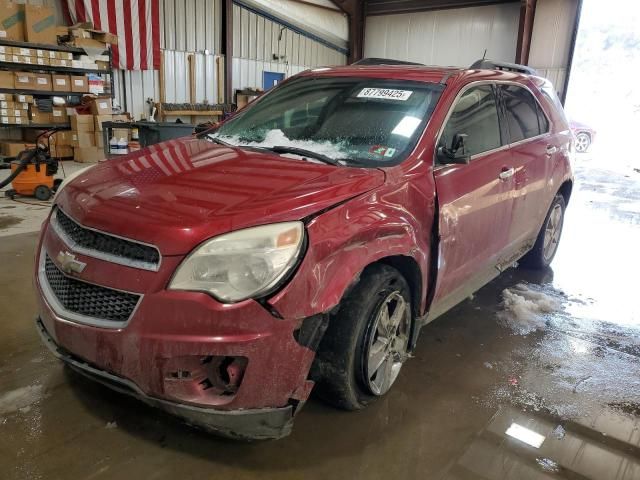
[
  {"x": 243, "y": 264},
  {"x": 70, "y": 177}
]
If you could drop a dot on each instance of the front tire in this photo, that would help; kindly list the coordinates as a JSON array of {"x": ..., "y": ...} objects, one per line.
[
  {"x": 546, "y": 246},
  {"x": 367, "y": 341}
]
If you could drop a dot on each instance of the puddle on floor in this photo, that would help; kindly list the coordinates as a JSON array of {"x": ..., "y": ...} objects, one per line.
[{"x": 7, "y": 221}]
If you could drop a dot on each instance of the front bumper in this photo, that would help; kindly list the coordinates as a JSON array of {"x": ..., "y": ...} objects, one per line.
[{"x": 251, "y": 424}]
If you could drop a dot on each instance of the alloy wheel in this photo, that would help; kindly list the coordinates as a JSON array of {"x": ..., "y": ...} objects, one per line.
[
  {"x": 552, "y": 232},
  {"x": 388, "y": 342},
  {"x": 582, "y": 142}
]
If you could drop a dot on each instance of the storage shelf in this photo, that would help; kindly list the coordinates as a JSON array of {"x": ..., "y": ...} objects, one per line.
[
  {"x": 19, "y": 91},
  {"x": 15, "y": 66},
  {"x": 40, "y": 126},
  {"x": 41, "y": 46}
]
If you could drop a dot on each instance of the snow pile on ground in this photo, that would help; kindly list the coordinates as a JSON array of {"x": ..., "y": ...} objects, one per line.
[
  {"x": 278, "y": 138},
  {"x": 20, "y": 399},
  {"x": 526, "y": 307}
]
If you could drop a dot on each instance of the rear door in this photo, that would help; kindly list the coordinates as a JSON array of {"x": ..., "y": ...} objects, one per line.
[
  {"x": 475, "y": 200},
  {"x": 532, "y": 150}
]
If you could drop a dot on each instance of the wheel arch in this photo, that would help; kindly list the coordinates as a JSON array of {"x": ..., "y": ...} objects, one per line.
[{"x": 565, "y": 190}]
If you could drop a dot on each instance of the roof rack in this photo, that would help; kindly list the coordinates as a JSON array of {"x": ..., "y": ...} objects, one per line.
[
  {"x": 505, "y": 66},
  {"x": 384, "y": 61}
]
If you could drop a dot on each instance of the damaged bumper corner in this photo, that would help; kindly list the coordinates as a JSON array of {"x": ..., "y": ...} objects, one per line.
[{"x": 249, "y": 424}]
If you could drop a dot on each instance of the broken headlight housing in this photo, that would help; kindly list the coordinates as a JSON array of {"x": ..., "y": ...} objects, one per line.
[{"x": 248, "y": 263}]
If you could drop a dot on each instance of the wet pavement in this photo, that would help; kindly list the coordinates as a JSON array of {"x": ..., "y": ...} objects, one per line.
[{"x": 572, "y": 382}]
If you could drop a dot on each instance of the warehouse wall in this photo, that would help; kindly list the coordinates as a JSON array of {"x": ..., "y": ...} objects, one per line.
[
  {"x": 195, "y": 26},
  {"x": 551, "y": 39},
  {"x": 257, "y": 38},
  {"x": 186, "y": 26},
  {"x": 445, "y": 37}
]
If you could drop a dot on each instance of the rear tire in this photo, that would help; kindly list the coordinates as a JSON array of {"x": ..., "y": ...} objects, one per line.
[
  {"x": 546, "y": 246},
  {"x": 367, "y": 341}
]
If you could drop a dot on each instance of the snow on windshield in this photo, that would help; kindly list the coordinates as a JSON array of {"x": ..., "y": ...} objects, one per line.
[{"x": 277, "y": 137}]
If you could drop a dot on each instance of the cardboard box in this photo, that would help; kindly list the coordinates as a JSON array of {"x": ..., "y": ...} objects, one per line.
[
  {"x": 89, "y": 43},
  {"x": 105, "y": 37},
  {"x": 61, "y": 151},
  {"x": 81, "y": 123},
  {"x": 61, "y": 83},
  {"x": 42, "y": 61},
  {"x": 40, "y": 24},
  {"x": 25, "y": 80},
  {"x": 101, "y": 106},
  {"x": 6, "y": 96},
  {"x": 13, "y": 148},
  {"x": 68, "y": 56},
  {"x": 102, "y": 65},
  {"x": 43, "y": 82},
  {"x": 5, "y": 49},
  {"x": 79, "y": 84},
  {"x": 99, "y": 119},
  {"x": 27, "y": 52},
  {"x": 27, "y": 60},
  {"x": 13, "y": 120},
  {"x": 11, "y": 21},
  {"x": 59, "y": 115},
  {"x": 83, "y": 139},
  {"x": 62, "y": 138},
  {"x": 121, "y": 133},
  {"x": 88, "y": 154},
  {"x": 99, "y": 139},
  {"x": 7, "y": 80},
  {"x": 21, "y": 98},
  {"x": 37, "y": 116}
]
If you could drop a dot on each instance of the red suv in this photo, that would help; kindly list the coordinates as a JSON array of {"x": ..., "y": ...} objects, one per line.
[{"x": 304, "y": 242}]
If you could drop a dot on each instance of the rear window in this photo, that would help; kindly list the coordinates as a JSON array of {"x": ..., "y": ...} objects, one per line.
[{"x": 522, "y": 113}]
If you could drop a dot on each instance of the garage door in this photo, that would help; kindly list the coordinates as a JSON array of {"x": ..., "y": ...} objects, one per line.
[{"x": 445, "y": 37}]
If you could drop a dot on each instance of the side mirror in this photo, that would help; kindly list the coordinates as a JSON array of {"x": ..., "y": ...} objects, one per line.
[{"x": 451, "y": 154}]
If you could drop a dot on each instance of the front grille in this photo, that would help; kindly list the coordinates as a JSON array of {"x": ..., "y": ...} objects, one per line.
[
  {"x": 92, "y": 240},
  {"x": 89, "y": 300}
]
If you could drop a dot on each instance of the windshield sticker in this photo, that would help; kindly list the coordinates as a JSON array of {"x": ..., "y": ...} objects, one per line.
[
  {"x": 382, "y": 151},
  {"x": 385, "y": 94}
]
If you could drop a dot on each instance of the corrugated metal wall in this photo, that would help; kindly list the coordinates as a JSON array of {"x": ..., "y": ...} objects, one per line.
[
  {"x": 256, "y": 39},
  {"x": 445, "y": 37},
  {"x": 187, "y": 26},
  {"x": 551, "y": 39}
]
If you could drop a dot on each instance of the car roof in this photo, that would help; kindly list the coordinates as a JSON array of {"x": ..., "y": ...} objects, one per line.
[{"x": 422, "y": 73}]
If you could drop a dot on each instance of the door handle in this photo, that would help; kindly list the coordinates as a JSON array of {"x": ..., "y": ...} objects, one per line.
[
  {"x": 507, "y": 173},
  {"x": 551, "y": 149}
]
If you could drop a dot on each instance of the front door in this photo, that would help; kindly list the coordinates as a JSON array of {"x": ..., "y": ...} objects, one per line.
[{"x": 475, "y": 200}]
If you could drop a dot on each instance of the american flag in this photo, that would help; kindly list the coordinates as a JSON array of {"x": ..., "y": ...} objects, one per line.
[{"x": 135, "y": 22}]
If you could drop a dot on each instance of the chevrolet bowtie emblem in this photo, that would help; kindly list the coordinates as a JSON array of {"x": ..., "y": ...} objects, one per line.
[{"x": 69, "y": 264}]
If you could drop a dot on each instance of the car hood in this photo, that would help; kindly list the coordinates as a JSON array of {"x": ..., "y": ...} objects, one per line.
[{"x": 179, "y": 193}]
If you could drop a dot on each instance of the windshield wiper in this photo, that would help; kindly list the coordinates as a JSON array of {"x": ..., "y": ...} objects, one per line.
[
  {"x": 305, "y": 153},
  {"x": 221, "y": 142}
]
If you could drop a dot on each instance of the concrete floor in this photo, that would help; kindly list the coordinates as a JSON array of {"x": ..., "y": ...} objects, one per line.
[{"x": 575, "y": 380}]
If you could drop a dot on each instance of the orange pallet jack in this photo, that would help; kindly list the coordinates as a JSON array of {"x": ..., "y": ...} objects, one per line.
[{"x": 32, "y": 172}]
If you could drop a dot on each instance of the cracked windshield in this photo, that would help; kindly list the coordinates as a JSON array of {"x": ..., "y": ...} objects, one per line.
[{"x": 347, "y": 121}]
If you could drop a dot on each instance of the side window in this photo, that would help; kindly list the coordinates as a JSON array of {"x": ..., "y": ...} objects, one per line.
[
  {"x": 476, "y": 116},
  {"x": 542, "y": 120},
  {"x": 522, "y": 113}
]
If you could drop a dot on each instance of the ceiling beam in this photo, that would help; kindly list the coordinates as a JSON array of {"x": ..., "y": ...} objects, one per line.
[
  {"x": 389, "y": 7},
  {"x": 355, "y": 10}
]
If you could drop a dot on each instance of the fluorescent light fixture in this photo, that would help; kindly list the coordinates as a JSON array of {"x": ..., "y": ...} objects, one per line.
[
  {"x": 525, "y": 435},
  {"x": 406, "y": 126}
]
